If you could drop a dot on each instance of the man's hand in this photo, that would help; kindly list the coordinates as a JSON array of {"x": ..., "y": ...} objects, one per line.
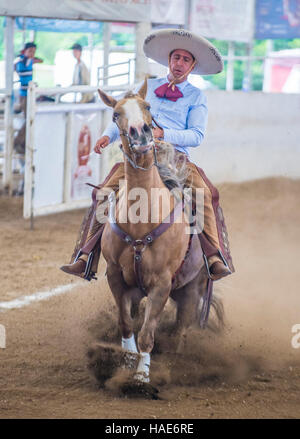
[
  {"x": 101, "y": 143},
  {"x": 158, "y": 133}
]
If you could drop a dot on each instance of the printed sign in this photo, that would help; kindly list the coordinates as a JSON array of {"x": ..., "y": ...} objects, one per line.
[
  {"x": 231, "y": 20},
  {"x": 168, "y": 11},
  {"x": 85, "y": 167},
  {"x": 277, "y": 19}
]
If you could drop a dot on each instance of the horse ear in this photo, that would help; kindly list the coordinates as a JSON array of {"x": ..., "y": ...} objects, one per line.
[
  {"x": 143, "y": 90},
  {"x": 108, "y": 100}
]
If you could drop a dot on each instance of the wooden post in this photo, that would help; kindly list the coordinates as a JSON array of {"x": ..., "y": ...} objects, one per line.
[
  {"x": 8, "y": 117},
  {"x": 28, "y": 209}
]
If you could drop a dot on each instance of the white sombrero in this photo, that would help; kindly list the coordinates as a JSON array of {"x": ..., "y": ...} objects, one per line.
[{"x": 159, "y": 44}]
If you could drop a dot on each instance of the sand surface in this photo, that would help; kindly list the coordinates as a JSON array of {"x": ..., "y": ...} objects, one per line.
[{"x": 249, "y": 371}]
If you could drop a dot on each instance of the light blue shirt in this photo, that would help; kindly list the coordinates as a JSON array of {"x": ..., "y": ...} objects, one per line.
[{"x": 184, "y": 121}]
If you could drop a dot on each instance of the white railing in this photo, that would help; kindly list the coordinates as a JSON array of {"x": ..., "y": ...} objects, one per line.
[
  {"x": 103, "y": 75},
  {"x": 34, "y": 111}
]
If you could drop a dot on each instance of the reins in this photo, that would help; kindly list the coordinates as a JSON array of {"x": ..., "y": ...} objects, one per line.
[{"x": 133, "y": 151}]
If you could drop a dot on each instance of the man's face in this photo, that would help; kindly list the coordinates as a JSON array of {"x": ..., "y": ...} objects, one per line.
[
  {"x": 77, "y": 53},
  {"x": 30, "y": 52},
  {"x": 180, "y": 62}
]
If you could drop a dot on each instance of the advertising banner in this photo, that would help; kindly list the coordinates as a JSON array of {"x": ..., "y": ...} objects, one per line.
[
  {"x": 168, "y": 11},
  {"x": 50, "y": 25},
  {"x": 85, "y": 167},
  {"x": 231, "y": 20},
  {"x": 277, "y": 19}
]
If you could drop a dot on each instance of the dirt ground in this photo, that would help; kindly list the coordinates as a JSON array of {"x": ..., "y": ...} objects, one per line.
[{"x": 249, "y": 371}]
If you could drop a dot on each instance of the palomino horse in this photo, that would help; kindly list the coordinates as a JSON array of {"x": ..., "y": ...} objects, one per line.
[{"x": 144, "y": 255}]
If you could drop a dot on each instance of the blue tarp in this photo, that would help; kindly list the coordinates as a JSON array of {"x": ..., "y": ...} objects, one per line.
[
  {"x": 277, "y": 19},
  {"x": 49, "y": 25}
]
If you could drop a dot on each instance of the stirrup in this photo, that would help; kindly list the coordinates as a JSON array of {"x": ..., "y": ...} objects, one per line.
[
  {"x": 88, "y": 273},
  {"x": 207, "y": 266}
]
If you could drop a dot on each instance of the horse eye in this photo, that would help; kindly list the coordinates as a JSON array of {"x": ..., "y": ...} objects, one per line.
[
  {"x": 115, "y": 116},
  {"x": 148, "y": 107}
]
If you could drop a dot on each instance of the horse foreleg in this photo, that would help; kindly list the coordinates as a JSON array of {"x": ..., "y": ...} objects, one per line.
[
  {"x": 156, "y": 300},
  {"x": 124, "y": 298}
]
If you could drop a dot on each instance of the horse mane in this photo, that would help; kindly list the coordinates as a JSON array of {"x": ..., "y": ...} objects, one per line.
[
  {"x": 171, "y": 166},
  {"x": 129, "y": 94}
]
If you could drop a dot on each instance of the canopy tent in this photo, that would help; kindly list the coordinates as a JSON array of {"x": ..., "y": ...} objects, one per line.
[{"x": 95, "y": 10}]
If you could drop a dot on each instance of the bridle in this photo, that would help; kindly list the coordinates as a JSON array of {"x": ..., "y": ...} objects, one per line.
[{"x": 133, "y": 158}]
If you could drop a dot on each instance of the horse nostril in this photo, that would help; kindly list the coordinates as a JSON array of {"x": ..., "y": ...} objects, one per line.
[
  {"x": 146, "y": 128},
  {"x": 133, "y": 133}
]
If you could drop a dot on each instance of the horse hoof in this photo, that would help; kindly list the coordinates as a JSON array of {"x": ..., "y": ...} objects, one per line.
[
  {"x": 130, "y": 360},
  {"x": 138, "y": 389},
  {"x": 141, "y": 377}
]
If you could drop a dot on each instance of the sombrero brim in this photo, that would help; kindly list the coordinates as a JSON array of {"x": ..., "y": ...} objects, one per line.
[{"x": 159, "y": 44}]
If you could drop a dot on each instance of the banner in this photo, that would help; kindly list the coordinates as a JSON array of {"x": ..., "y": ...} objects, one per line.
[
  {"x": 168, "y": 11},
  {"x": 231, "y": 20},
  {"x": 50, "y": 25},
  {"x": 85, "y": 167},
  {"x": 95, "y": 10},
  {"x": 277, "y": 19}
]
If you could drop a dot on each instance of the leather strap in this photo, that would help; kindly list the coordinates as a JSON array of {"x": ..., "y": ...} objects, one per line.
[
  {"x": 206, "y": 303},
  {"x": 139, "y": 245}
]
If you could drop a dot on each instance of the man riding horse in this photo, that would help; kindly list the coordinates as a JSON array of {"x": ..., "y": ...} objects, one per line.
[{"x": 181, "y": 114}]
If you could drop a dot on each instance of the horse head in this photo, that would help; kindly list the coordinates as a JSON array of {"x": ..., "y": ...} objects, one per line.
[{"x": 133, "y": 118}]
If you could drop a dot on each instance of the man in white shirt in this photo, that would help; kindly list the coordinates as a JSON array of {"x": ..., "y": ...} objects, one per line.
[{"x": 81, "y": 75}]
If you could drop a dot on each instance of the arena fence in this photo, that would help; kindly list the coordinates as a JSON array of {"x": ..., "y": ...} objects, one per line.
[{"x": 59, "y": 157}]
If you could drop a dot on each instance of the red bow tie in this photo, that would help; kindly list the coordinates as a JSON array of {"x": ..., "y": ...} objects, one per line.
[{"x": 164, "y": 91}]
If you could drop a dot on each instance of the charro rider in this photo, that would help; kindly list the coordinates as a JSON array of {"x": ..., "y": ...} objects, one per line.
[{"x": 181, "y": 112}]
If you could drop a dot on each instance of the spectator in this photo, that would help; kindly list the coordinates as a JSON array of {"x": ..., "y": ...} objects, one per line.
[
  {"x": 81, "y": 75},
  {"x": 23, "y": 66}
]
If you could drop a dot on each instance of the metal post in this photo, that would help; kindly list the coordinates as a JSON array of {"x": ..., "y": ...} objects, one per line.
[
  {"x": 28, "y": 209},
  {"x": 90, "y": 46},
  {"x": 106, "y": 50},
  {"x": 8, "y": 116},
  {"x": 187, "y": 13},
  {"x": 247, "y": 79},
  {"x": 267, "y": 65},
  {"x": 230, "y": 67},
  {"x": 24, "y": 31},
  {"x": 141, "y": 64},
  {"x": 270, "y": 46},
  {"x": 68, "y": 158},
  {"x": 32, "y": 35},
  {"x": 104, "y": 159}
]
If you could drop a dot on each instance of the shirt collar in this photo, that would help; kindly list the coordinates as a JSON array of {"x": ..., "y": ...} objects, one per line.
[{"x": 181, "y": 85}]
